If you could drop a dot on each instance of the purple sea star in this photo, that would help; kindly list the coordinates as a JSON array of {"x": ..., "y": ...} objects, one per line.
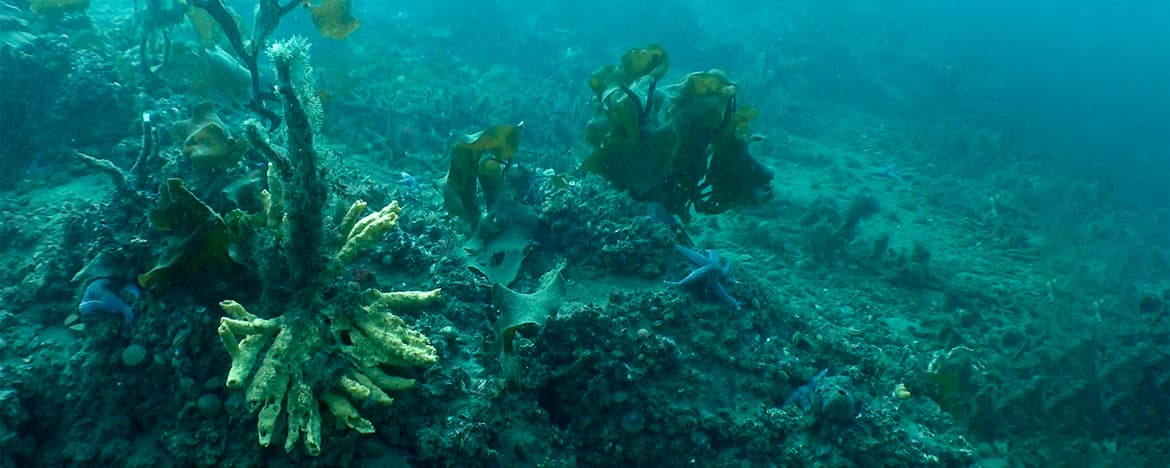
[{"x": 711, "y": 269}]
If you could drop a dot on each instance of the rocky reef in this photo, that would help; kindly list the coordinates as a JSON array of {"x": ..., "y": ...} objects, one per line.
[{"x": 215, "y": 254}]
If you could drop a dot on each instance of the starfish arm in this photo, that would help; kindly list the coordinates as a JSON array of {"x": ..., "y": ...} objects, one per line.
[
  {"x": 715, "y": 285},
  {"x": 695, "y": 256},
  {"x": 701, "y": 272}
]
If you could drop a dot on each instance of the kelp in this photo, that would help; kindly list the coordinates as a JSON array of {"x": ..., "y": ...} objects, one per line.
[
  {"x": 684, "y": 146},
  {"x": 201, "y": 236},
  {"x": 333, "y": 18},
  {"x": 205, "y": 27},
  {"x": 479, "y": 159},
  {"x": 502, "y": 227},
  {"x": 206, "y": 140}
]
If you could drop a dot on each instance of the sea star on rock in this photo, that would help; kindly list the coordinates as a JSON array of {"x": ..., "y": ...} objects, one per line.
[
  {"x": 711, "y": 269},
  {"x": 105, "y": 295}
]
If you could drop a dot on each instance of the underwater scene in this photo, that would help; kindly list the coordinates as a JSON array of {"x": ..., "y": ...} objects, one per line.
[{"x": 515, "y": 233}]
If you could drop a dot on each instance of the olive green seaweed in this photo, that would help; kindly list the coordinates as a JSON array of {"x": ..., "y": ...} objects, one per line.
[{"x": 683, "y": 145}]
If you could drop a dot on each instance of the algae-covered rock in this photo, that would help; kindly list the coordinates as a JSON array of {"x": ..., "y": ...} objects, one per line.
[{"x": 133, "y": 355}]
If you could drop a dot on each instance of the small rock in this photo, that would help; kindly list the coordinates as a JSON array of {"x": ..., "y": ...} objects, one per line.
[
  {"x": 181, "y": 338},
  {"x": 72, "y": 319},
  {"x": 209, "y": 405},
  {"x": 133, "y": 355}
]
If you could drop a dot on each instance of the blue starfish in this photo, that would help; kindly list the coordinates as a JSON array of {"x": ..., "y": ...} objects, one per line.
[
  {"x": 710, "y": 269},
  {"x": 891, "y": 172},
  {"x": 103, "y": 295},
  {"x": 803, "y": 394}
]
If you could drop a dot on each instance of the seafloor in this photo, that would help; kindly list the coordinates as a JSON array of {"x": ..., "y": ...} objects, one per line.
[{"x": 913, "y": 290}]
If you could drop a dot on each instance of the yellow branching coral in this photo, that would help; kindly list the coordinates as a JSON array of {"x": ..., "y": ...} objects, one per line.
[
  {"x": 372, "y": 337},
  {"x": 275, "y": 352},
  {"x": 365, "y": 230},
  {"x": 339, "y": 353},
  {"x": 279, "y": 380},
  {"x": 380, "y": 338}
]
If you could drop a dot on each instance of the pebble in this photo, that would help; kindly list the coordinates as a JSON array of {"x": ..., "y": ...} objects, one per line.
[
  {"x": 181, "y": 337},
  {"x": 209, "y": 405},
  {"x": 133, "y": 355},
  {"x": 633, "y": 421}
]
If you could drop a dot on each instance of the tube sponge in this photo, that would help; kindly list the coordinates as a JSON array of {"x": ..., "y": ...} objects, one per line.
[{"x": 367, "y": 230}]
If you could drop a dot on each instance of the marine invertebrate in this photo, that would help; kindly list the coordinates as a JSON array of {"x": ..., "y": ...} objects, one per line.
[
  {"x": 804, "y": 393},
  {"x": 301, "y": 351},
  {"x": 106, "y": 295},
  {"x": 373, "y": 338},
  {"x": 712, "y": 270}
]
